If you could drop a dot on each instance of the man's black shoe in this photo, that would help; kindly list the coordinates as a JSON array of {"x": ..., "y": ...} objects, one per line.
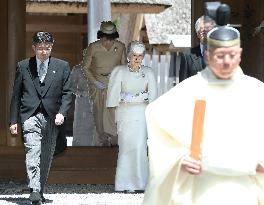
[
  {"x": 129, "y": 191},
  {"x": 36, "y": 203},
  {"x": 43, "y": 200},
  {"x": 35, "y": 198}
]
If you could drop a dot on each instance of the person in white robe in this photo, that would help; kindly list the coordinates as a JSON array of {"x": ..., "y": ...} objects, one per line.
[
  {"x": 131, "y": 88},
  {"x": 230, "y": 168}
]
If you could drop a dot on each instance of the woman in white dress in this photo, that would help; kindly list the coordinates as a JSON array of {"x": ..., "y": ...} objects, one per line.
[{"x": 131, "y": 88}]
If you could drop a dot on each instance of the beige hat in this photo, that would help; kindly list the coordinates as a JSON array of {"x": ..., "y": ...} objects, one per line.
[
  {"x": 108, "y": 27},
  {"x": 108, "y": 30}
]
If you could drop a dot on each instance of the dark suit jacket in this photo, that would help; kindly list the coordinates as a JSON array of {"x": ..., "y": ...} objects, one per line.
[
  {"x": 191, "y": 63},
  {"x": 55, "y": 96}
]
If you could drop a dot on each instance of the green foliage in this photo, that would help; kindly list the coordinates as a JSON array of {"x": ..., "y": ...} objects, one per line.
[{"x": 117, "y": 23}]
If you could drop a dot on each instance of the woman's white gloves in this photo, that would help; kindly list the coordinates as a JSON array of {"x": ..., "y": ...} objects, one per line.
[{"x": 134, "y": 98}]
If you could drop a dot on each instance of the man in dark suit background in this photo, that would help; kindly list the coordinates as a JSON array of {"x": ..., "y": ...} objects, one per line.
[
  {"x": 193, "y": 62},
  {"x": 42, "y": 95}
]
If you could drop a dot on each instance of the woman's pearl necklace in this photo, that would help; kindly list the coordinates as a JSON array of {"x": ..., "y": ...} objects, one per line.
[{"x": 131, "y": 69}]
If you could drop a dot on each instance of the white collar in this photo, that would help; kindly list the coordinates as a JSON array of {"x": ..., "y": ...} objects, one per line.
[
  {"x": 212, "y": 79},
  {"x": 202, "y": 48}
]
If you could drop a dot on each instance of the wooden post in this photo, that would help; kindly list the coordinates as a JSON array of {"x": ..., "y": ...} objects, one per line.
[
  {"x": 197, "y": 11},
  {"x": 138, "y": 25},
  {"x": 98, "y": 11},
  {"x": 3, "y": 70},
  {"x": 16, "y": 51}
]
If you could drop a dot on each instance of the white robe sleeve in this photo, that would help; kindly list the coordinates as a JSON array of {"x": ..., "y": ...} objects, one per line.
[
  {"x": 259, "y": 182},
  {"x": 166, "y": 176},
  {"x": 152, "y": 86},
  {"x": 114, "y": 87}
]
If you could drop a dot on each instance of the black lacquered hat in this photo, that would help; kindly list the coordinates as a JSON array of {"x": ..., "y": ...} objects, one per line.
[{"x": 223, "y": 36}]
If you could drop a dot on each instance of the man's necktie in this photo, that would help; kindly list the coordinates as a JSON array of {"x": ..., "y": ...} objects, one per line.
[{"x": 42, "y": 72}]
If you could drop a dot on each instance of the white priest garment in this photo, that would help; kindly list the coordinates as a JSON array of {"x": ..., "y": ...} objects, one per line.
[
  {"x": 232, "y": 146},
  {"x": 130, "y": 92}
]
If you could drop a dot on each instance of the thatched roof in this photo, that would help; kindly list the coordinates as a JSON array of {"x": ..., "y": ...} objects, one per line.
[
  {"x": 68, "y": 1},
  {"x": 80, "y": 6},
  {"x": 164, "y": 2},
  {"x": 171, "y": 24},
  {"x": 112, "y": 1}
]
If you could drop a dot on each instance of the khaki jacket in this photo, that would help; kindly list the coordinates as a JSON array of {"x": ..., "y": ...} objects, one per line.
[{"x": 98, "y": 62}]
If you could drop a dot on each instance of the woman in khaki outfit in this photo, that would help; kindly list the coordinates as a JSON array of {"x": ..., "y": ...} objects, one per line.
[{"x": 98, "y": 62}]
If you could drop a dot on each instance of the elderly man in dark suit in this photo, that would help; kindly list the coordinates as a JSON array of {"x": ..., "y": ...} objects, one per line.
[
  {"x": 41, "y": 98},
  {"x": 193, "y": 62}
]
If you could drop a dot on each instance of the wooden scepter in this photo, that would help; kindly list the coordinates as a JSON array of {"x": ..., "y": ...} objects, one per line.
[{"x": 197, "y": 129}]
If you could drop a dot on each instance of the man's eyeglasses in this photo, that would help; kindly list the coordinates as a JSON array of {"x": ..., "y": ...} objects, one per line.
[{"x": 41, "y": 49}]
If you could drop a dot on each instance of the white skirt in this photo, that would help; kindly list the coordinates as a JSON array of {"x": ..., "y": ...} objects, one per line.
[{"x": 132, "y": 163}]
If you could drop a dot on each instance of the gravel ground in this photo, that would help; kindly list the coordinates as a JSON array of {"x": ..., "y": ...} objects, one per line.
[{"x": 16, "y": 193}]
